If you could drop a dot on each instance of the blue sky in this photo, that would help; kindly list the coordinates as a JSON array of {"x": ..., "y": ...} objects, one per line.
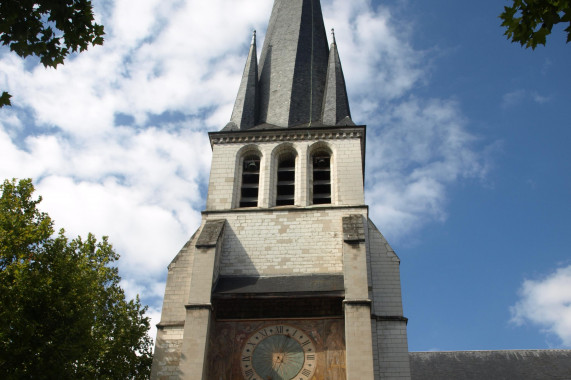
[
  {"x": 463, "y": 277},
  {"x": 468, "y": 165}
]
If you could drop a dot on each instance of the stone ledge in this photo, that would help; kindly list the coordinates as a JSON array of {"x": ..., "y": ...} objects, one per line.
[
  {"x": 359, "y": 302},
  {"x": 285, "y": 208},
  {"x": 199, "y": 306},
  {"x": 210, "y": 233},
  {"x": 389, "y": 318},
  {"x": 162, "y": 325}
]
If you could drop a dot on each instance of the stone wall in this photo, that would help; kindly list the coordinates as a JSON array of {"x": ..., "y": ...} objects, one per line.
[
  {"x": 346, "y": 166},
  {"x": 288, "y": 242},
  {"x": 167, "y": 355}
]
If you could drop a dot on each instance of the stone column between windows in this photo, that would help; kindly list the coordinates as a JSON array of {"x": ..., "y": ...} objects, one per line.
[
  {"x": 357, "y": 305},
  {"x": 199, "y": 308}
]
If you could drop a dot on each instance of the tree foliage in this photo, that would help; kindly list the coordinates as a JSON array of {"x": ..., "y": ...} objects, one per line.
[
  {"x": 63, "y": 314},
  {"x": 529, "y": 22},
  {"x": 48, "y": 29},
  {"x": 5, "y": 99}
]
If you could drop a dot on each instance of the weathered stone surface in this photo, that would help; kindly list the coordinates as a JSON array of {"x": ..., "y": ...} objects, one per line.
[
  {"x": 210, "y": 234},
  {"x": 353, "y": 229}
]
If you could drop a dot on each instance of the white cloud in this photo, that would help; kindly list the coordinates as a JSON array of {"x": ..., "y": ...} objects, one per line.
[
  {"x": 421, "y": 147},
  {"x": 416, "y": 147},
  {"x": 172, "y": 70},
  {"x": 546, "y": 302},
  {"x": 378, "y": 59},
  {"x": 518, "y": 97}
]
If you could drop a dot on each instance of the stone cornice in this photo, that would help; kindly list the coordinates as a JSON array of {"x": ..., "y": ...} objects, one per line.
[
  {"x": 285, "y": 208},
  {"x": 287, "y": 134}
]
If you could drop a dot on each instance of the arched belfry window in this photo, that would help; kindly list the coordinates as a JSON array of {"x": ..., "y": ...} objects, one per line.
[
  {"x": 321, "y": 162},
  {"x": 285, "y": 189},
  {"x": 250, "y": 181}
]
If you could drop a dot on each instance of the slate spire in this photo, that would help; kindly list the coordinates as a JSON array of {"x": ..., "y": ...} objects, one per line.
[
  {"x": 246, "y": 106},
  {"x": 335, "y": 101},
  {"x": 293, "y": 64},
  {"x": 300, "y": 82}
]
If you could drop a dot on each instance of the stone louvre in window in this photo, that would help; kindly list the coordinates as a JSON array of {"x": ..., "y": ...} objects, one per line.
[
  {"x": 250, "y": 182},
  {"x": 286, "y": 180},
  {"x": 322, "y": 178}
]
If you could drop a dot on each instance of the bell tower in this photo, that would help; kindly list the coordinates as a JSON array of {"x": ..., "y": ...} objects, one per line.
[{"x": 286, "y": 278}]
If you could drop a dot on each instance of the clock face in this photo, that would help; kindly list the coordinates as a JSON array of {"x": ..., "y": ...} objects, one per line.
[{"x": 278, "y": 352}]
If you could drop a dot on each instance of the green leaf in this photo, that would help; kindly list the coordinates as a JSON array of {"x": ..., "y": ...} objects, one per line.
[
  {"x": 530, "y": 22},
  {"x": 5, "y": 99}
]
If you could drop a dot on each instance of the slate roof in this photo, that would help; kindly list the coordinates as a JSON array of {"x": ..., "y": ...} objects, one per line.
[{"x": 491, "y": 365}]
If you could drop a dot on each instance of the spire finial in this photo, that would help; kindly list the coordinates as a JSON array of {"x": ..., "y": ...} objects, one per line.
[
  {"x": 333, "y": 35},
  {"x": 254, "y": 37}
]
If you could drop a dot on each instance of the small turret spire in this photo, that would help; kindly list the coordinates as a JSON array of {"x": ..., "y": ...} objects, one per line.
[
  {"x": 335, "y": 101},
  {"x": 245, "y": 111}
]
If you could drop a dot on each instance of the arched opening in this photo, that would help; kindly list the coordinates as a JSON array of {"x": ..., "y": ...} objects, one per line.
[
  {"x": 285, "y": 189},
  {"x": 321, "y": 191},
  {"x": 250, "y": 181}
]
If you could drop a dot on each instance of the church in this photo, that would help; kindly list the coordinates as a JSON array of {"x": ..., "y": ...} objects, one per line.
[{"x": 287, "y": 277}]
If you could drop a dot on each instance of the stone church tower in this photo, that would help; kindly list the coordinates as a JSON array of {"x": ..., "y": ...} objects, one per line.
[{"x": 286, "y": 278}]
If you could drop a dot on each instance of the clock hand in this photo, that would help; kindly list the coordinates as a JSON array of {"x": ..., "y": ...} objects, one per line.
[
  {"x": 279, "y": 366},
  {"x": 284, "y": 342}
]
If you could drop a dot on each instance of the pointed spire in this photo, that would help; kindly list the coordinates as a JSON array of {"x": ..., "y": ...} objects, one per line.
[
  {"x": 335, "y": 101},
  {"x": 293, "y": 64},
  {"x": 300, "y": 82},
  {"x": 246, "y": 106}
]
